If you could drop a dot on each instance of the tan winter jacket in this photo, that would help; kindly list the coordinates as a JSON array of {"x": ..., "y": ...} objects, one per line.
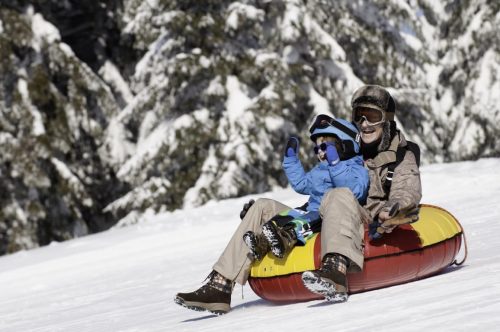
[{"x": 405, "y": 189}]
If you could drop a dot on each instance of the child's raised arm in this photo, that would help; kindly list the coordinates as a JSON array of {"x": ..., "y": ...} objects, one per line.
[{"x": 297, "y": 177}]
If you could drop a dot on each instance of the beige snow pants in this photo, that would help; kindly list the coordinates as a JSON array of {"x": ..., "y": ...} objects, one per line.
[
  {"x": 341, "y": 232},
  {"x": 235, "y": 261}
]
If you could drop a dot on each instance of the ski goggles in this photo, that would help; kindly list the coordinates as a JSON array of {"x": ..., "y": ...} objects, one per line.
[
  {"x": 372, "y": 116},
  {"x": 322, "y": 121}
]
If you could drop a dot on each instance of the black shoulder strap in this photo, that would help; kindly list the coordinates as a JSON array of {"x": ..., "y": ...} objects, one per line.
[
  {"x": 413, "y": 147},
  {"x": 400, "y": 155}
]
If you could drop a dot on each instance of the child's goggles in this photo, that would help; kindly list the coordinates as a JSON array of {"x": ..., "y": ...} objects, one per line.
[
  {"x": 321, "y": 147},
  {"x": 372, "y": 116}
]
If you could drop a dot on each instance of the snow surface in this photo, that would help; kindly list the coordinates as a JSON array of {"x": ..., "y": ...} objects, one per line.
[{"x": 125, "y": 279}]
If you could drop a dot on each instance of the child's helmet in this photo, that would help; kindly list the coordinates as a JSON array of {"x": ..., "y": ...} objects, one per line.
[{"x": 345, "y": 131}]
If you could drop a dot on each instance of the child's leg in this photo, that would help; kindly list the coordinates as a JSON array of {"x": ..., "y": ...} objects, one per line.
[
  {"x": 281, "y": 239},
  {"x": 257, "y": 244},
  {"x": 283, "y": 232}
]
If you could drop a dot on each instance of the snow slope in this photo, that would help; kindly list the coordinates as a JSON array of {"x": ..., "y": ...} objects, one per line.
[{"x": 125, "y": 279}]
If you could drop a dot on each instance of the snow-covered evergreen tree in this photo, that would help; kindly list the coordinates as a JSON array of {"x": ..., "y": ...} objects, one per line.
[
  {"x": 117, "y": 108},
  {"x": 54, "y": 115}
]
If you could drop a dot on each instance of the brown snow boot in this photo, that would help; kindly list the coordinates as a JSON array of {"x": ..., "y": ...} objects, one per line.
[
  {"x": 214, "y": 296},
  {"x": 257, "y": 244},
  {"x": 281, "y": 239},
  {"x": 330, "y": 280}
]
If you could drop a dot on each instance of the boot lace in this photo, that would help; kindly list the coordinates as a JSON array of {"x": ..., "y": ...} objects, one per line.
[{"x": 219, "y": 282}]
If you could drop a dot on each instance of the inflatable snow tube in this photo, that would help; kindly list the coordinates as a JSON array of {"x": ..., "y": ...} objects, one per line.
[{"x": 410, "y": 252}]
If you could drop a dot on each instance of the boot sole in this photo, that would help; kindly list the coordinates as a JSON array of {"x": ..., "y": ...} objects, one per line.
[
  {"x": 215, "y": 308},
  {"x": 273, "y": 239},
  {"x": 251, "y": 244},
  {"x": 319, "y": 286}
]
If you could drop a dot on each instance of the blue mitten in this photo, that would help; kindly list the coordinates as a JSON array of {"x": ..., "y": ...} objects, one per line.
[
  {"x": 292, "y": 147},
  {"x": 332, "y": 156}
]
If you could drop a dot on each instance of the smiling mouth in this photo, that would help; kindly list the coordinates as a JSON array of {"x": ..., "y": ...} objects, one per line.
[{"x": 368, "y": 131}]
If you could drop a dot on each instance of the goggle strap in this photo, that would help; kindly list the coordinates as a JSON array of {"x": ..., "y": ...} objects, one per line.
[{"x": 345, "y": 129}]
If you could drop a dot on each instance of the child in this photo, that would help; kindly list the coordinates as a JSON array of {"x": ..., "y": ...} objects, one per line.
[{"x": 340, "y": 165}]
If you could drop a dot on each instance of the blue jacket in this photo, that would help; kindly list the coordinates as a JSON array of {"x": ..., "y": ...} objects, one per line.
[{"x": 347, "y": 173}]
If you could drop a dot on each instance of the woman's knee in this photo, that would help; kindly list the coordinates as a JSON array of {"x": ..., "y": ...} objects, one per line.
[
  {"x": 266, "y": 208},
  {"x": 338, "y": 195},
  {"x": 261, "y": 207},
  {"x": 260, "y": 203}
]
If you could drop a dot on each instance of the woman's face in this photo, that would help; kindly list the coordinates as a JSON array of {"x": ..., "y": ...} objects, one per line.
[
  {"x": 370, "y": 123},
  {"x": 370, "y": 134}
]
